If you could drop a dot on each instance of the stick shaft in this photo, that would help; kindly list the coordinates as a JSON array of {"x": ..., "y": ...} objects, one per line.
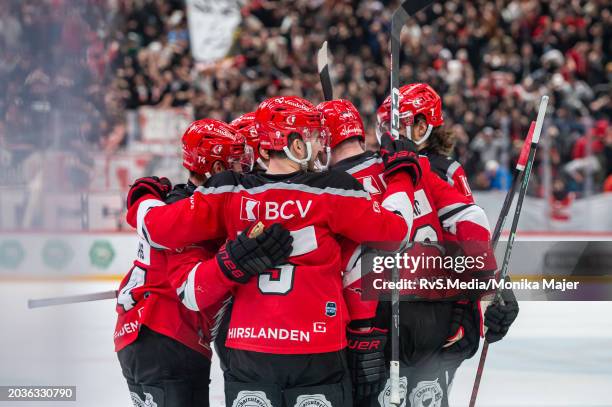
[
  {"x": 517, "y": 177},
  {"x": 398, "y": 20},
  {"x": 515, "y": 220},
  {"x": 71, "y": 299}
]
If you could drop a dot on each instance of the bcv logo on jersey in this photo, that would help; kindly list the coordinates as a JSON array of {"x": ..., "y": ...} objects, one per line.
[{"x": 250, "y": 209}]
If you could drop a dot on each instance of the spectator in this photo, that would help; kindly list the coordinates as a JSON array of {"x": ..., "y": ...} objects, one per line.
[{"x": 491, "y": 61}]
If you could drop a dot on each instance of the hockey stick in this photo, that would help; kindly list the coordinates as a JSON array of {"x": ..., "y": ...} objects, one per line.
[
  {"x": 517, "y": 212},
  {"x": 72, "y": 299},
  {"x": 103, "y": 295},
  {"x": 398, "y": 20},
  {"x": 517, "y": 176},
  {"x": 324, "y": 75}
]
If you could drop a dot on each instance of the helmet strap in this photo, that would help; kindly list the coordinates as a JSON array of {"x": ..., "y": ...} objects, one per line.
[
  {"x": 425, "y": 136},
  {"x": 302, "y": 162},
  {"x": 262, "y": 164},
  {"x": 319, "y": 166},
  {"x": 379, "y": 134}
]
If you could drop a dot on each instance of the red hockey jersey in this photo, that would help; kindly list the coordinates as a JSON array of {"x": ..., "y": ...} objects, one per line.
[
  {"x": 297, "y": 308},
  {"x": 440, "y": 213}
]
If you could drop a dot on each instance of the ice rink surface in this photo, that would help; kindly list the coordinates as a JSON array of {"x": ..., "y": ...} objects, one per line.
[{"x": 557, "y": 353}]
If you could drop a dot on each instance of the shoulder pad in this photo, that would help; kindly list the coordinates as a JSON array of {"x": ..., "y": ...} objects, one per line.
[
  {"x": 180, "y": 191},
  {"x": 224, "y": 178},
  {"x": 334, "y": 179}
]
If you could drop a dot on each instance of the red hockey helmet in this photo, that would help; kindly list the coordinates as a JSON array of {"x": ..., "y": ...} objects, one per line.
[
  {"x": 279, "y": 117},
  {"x": 245, "y": 125},
  {"x": 415, "y": 99},
  {"x": 208, "y": 141},
  {"x": 342, "y": 119}
]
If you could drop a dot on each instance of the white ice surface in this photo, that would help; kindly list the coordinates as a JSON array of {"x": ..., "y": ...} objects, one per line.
[{"x": 557, "y": 353}]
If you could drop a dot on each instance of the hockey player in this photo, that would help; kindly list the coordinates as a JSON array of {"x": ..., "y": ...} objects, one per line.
[
  {"x": 245, "y": 125},
  {"x": 163, "y": 348},
  {"x": 426, "y": 327},
  {"x": 422, "y": 120},
  {"x": 287, "y": 330}
]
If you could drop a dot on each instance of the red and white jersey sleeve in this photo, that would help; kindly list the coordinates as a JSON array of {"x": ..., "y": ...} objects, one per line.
[{"x": 180, "y": 224}]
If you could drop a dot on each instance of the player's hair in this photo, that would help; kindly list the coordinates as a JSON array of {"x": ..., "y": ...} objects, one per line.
[
  {"x": 441, "y": 140},
  {"x": 280, "y": 153}
]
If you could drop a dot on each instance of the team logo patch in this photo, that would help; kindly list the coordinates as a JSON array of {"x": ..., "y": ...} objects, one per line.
[
  {"x": 217, "y": 149},
  {"x": 385, "y": 395},
  {"x": 330, "y": 309},
  {"x": 247, "y": 398},
  {"x": 312, "y": 400},
  {"x": 138, "y": 402},
  {"x": 319, "y": 327},
  {"x": 426, "y": 394},
  {"x": 249, "y": 209},
  {"x": 376, "y": 206}
]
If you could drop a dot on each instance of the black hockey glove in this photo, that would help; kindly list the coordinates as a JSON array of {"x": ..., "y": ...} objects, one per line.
[
  {"x": 158, "y": 187},
  {"x": 464, "y": 331},
  {"x": 366, "y": 360},
  {"x": 245, "y": 257},
  {"x": 400, "y": 155},
  {"x": 498, "y": 317}
]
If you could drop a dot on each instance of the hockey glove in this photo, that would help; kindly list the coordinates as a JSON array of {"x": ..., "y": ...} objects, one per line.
[
  {"x": 158, "y": 187},
  {"x": 366, "y": 360},
  {"x": 400, "y": 155},
  {"x": 498, "y": 317},
  {"x": 464, "y": 331},
  {"x": 245, "y": 257}
]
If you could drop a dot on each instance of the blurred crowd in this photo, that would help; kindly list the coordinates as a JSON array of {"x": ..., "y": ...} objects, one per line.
[
  {"x": 53, "y": 69},
  {"x": 490, "y": 60}
]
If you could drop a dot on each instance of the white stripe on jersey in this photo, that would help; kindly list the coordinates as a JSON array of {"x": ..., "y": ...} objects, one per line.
[
  {"x": 188, "y": 290},
  {"x": 353, "y": 268},
  {"x": 364, "y": 165},
  {"x": 451, "y": 171},
  {"x": 304, "y": 241},
  {"x": 471, "y": 213},
  {"x": 283, "y": 186},
  {"x": 400, "y": 202},
  {"x": 141, "y": 228}
]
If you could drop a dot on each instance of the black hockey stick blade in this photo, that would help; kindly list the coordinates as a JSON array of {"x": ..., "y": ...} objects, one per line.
[
  {"x": 405, "y": 10},
  {"x": 401, "y": 14},
  {"x": 323, "y": 65}
]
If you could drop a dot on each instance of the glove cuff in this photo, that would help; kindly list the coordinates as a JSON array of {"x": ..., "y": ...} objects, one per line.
[{"x": 229, "y": 267}]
